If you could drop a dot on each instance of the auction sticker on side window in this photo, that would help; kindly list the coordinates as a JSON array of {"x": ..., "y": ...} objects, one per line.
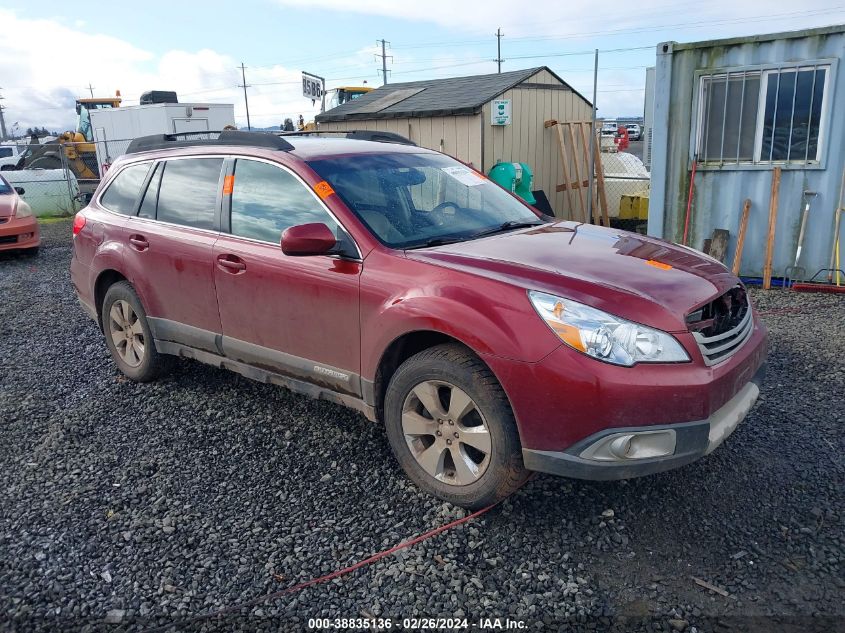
[{"x": 464, "y": 175}]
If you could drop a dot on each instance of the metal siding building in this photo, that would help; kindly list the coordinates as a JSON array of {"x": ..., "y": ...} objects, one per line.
[
  {"x": 454, "y": 116},
  {"x": 754, "y": 79}
]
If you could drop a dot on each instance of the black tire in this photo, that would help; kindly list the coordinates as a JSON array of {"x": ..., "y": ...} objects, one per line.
[
  {"x": 152, "y": 364},
  {"x": 46, "y": 162},
  {"x": 458, "y": 367}
]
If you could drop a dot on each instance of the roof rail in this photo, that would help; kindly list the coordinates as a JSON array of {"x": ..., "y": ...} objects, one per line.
[
  {"x": 194, "y": 139},
  {"x": 359, "y": 135}
]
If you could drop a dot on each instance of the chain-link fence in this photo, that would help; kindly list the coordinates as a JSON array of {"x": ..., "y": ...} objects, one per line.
[
  {"x": 59, "y": 177},
  {"x": 626, "y": 183}
]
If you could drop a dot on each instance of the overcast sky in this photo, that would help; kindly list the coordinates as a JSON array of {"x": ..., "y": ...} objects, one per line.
[{"x": 50, "y": 51}]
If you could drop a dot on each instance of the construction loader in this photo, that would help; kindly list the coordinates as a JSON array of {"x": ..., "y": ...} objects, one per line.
[{"x": 74, "y": 149}]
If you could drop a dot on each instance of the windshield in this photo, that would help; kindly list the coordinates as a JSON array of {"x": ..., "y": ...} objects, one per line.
[
  {"x": 413, "y": 200},
  {"x": 4, "y": 187}
]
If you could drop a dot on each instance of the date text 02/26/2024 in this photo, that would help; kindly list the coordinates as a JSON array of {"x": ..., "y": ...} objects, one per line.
[{"x": 415, "y": 624}]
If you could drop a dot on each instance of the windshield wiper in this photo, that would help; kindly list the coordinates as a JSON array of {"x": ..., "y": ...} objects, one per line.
[
  {"x": 437, "y": 241},
  {"x": 510, "y": 225}
]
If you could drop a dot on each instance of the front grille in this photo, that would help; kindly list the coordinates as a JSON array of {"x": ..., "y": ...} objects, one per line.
[
  {"x": 4, "y": 220},
  {"x": 722, "y": 326}
]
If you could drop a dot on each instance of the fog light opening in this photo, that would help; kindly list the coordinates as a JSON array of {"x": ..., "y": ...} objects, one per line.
[{"x": 623, "y": 447}]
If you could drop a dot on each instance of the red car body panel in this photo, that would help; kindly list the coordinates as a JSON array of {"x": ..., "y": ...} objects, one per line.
[
  {"x": 154, "y": 251},
  {"x": 304, "y": 306},
  {"x": 16, "y": 233},
  {"x": 345, "y": 314}
]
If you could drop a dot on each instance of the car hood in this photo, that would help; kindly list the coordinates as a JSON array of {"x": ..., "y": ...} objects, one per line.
[
  {"x": 8, "y": 204},
  {"x": 633, "y": 276}
]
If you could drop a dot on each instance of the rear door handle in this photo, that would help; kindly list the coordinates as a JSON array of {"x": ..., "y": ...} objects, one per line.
[
  {"x": 231, "y": 264},
  {"x": 139, "y": 242}
]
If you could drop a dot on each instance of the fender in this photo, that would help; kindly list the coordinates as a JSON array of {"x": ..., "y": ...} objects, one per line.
[{"x": 478, "y": 313}]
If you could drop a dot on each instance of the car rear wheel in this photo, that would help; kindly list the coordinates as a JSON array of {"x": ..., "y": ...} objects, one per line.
[
  {"x": 452, "y": 429},
  {"x": 128, "y": 335}
]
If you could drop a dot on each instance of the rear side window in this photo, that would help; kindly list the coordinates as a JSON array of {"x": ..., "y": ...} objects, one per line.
[
  {"x": 267, "y": 199},
  {"x": 188, "y": 192},
  {"x": 123, "y": 192},
  {"x": 5, "y": 152}
]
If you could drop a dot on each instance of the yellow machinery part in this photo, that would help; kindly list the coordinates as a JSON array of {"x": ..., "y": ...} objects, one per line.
[{"x": 633, "y": 207}]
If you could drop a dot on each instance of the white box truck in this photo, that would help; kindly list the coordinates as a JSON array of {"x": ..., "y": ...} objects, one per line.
[{"x": 113, "y": 128}]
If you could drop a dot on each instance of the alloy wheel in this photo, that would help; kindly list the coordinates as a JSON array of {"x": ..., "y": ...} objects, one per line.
[
  {"x": 446, "y": 432},
  {"x": 126, "y": 333}
]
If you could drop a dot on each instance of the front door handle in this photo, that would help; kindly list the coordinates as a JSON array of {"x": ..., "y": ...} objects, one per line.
[
  {"x": 231, "y": 264},
  {"x": 139, "y": 242}
]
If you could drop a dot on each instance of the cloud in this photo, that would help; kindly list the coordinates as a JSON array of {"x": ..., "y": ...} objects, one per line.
[
  {"x": 41, "y": 79},
  {"x": 575, "y": 19}
]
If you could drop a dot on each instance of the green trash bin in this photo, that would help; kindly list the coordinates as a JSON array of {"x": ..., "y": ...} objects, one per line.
[{"x": 515, "y": 177}]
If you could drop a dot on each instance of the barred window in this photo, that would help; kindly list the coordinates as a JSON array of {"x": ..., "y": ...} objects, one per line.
[{"x": 762, "y": 116}]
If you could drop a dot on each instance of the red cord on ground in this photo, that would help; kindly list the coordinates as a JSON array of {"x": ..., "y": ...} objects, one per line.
[{"x": 344, "y": 571}]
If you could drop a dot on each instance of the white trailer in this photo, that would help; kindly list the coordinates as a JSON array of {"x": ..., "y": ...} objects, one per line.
[{"x": 113, "y": 128}]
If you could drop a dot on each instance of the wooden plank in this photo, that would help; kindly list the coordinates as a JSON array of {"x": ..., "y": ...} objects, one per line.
[
  {"x": 574, "y": 185},
  {"x": 740, "y": 239},
  {"x": 719, "y": 244},
  {"x": 581, "y": 197},
  {"x": 567, "y": 182},
  {"x": 770, "y": 239},
  {"x": 586, "y": 148}
]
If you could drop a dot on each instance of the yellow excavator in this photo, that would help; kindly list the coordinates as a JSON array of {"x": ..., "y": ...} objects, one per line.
[{"x": 80, "y": 154}]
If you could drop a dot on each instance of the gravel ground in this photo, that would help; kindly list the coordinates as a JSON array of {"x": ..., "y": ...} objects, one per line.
[{"x": 128, "y": 506}]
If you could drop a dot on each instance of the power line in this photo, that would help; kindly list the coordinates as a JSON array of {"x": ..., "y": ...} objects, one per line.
[
  {"x": 246, "y": 100},
  {"x": 695, "y": 24}
]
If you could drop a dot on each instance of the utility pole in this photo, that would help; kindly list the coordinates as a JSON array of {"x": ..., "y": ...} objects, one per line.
[
  {"x": 384, "y": 57},
  {"x": 2, "y": 121},
  {"x": 593, "y": 141},
  {"x": 91, "y": 89},
  {"x": 244, "y": 85},
  {"x": 499, "y": 59}
]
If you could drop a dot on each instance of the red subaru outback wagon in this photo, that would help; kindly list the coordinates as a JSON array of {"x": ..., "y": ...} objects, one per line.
[{"x": 400, "y": 282}]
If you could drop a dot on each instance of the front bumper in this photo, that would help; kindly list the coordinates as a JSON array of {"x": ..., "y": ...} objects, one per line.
[
  {"x": 19, "y": 233},
  {"x": 601, "y": 456}
]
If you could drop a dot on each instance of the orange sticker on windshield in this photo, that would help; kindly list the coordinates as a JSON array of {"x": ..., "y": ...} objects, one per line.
[
  {"x": 657, "y": 264},
  {"x": 323, "y": 189},
  {"x": 228, "y": 185}
]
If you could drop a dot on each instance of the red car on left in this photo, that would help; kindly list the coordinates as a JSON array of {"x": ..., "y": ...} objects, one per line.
[{"x": 18, "y": 226}]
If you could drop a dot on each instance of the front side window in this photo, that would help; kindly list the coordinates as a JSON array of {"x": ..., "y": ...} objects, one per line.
[
  {"x": 411, "y": 200},
  {"x": 266, "y": 200},
  {"x": 188, "y": 192},
  {"x": 762, "y": 116},
  {"x": 122, "y": 193}
]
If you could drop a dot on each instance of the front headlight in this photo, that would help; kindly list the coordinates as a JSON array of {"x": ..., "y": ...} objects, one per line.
[
  {"x": 23, "y": 210},
  {"x": 604, "y": 336}
]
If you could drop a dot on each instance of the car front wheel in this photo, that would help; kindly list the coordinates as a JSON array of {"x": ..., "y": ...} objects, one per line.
[{"x": 452, "y": 429}]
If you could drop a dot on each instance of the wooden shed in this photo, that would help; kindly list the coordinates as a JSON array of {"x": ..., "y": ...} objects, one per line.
[{"x": 456, "y": 116}]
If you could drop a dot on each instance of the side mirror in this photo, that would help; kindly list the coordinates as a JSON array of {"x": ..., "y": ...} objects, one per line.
[
  {"x": 20, "y": 190},
  {"x": 308, "y": 239}
]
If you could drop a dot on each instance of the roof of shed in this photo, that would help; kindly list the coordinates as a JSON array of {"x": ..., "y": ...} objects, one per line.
[{"x": 434, "y": 97}]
